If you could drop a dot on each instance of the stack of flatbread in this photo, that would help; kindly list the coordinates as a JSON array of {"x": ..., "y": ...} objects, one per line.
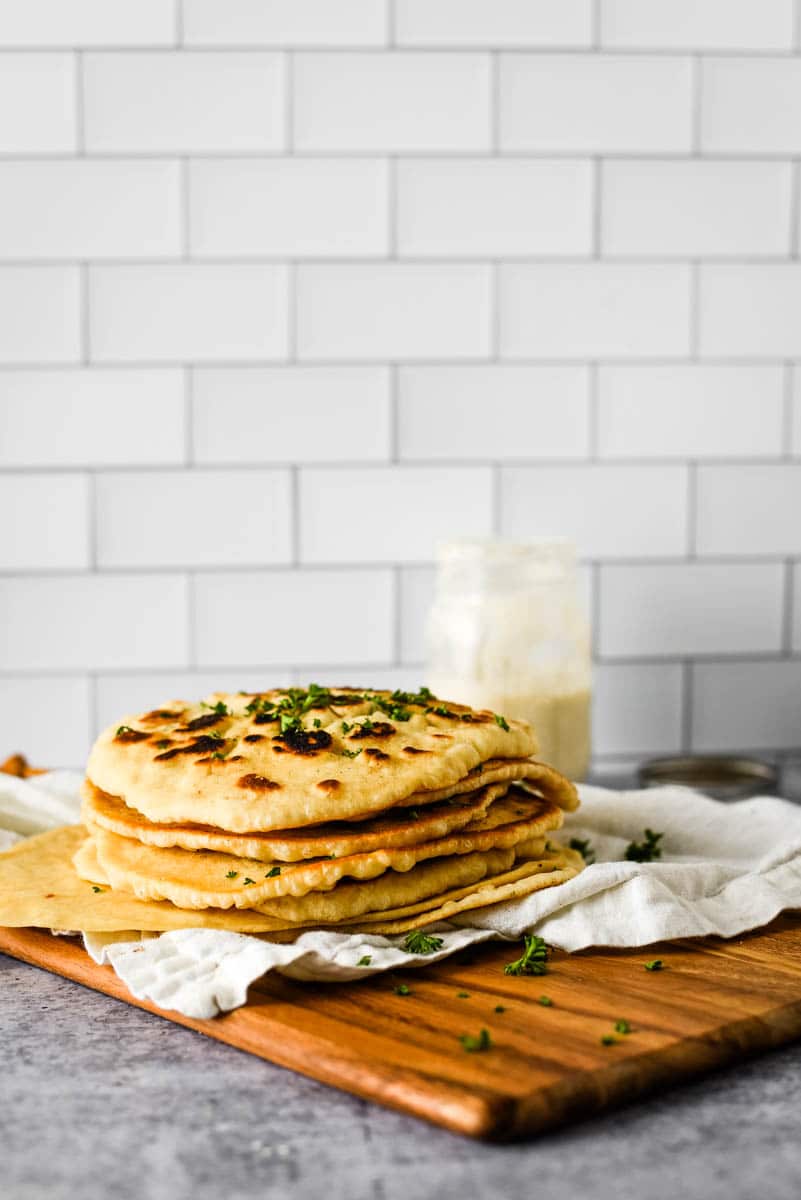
[{"x": 316, "y": 807}]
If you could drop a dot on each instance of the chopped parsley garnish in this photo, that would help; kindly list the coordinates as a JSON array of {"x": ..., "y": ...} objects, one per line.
[
  {"x": 414, "y": 813},
  {"x": 545, "y": 1001},
  {"x": 317, "y": 723},
  {"x": 95, "y": 888},
  {"x": 402, "y": 989},
  {"x": 532, "y": 960},
  {"x": 499, "y": 720},
  {"x": 247, "y": 881},
  {"x": 584, "y": 847},
  {"x": 474, "y": 1045},
  {"x": 622, "y": 1026},
  {"x": 273, "y": 871},
  {"x": 647, "y": 850},
  {"x": 346, "y": 728},
  {"x": 351, "y": 753},
  {"x": 231, "y": 874},
  {"x": 462, "y": 995},
  {"x": 499, "y": 1008},
  {"x": 655, "y": 964},
  {"x": 163, "y": 744},
  {"x": 418, "y": 942},
  {"x": 608, "y": 1040},
  {"x": 219, "y": 755},
  {"x": 220, "y": 708},
  {"x": 441, "y": 710},
  {"x": 421, "y": 697},
  {"x": 124, "y": 729},
  {"x": 365, "y": 960}
]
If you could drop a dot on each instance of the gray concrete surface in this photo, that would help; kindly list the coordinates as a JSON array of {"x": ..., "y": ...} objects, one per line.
[{"x": 100, "y": 1100}]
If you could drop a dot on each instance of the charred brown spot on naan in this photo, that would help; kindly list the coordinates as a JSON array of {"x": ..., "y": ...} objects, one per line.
[
  {"x": 329, "y": 785},
  {"x": 265, "y": 719},
  {"x": 258, "y": 783},
  {"x": 371, "y": 729},
  {"x": 253, "y": 737},
  {"x": 157, "y": 715},
  {"x": 372, "y": 752},
  {"x": 415, "y": 750},
  {"x": 304, "y": 741},
  {"x": 204, "y": 722},
  {"x": 202, "y": 745},
  {"x": 126, "y": 734}
]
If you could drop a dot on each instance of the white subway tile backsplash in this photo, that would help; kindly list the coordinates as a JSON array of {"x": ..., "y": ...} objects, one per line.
[
  {"x": 104, "y": 210},
  {"x": 183, "y": 101},
  {"x": 124, "y": 695},
  {"x": 609, "y": 511},
  {"x": 468, "y": 207},
  {"x": 493, "y": 22},
  {"x": 393, "y": 311},
  {"x": 93, "y": 622},
  {"x": 744, "y": 509},
  {"x": 303, "y": 207},
  {"x": 390, "y": 514},
  {"x": 391, "y": 102},
  {"x": 37, "y": 103},
  {"x": 690, "y": 411},
  {"x": 415, "y": 597},
  {"x": 87, "y": 22},
  {"x": 188, "y": 311},
  {"x": 409, "y": 679},
  {"x": 746, "y": 706},
  {"x": 291, "y": 414},
  {"x": 493, "y": 412},
  {"x": 795, "y": 415},
  {"x": 301, "y": 617},
  {"x": 40, "y": 317},
  {"x": 285, "y": 23},
  {"x": 94, "y": 418},
  {"x": 750, "y": 310},
  {"x": 590, "y": 103},
  {"x": 679, "y": 609},
  {"x": 47, "y": 718},
  {"x": 697, "y": 24},
  {"x": 687, "y": 209},
  {"x": 795, "y": 616},
  {"x": 637, "y": 708},
  {"x": 45, "y": 522},
  {"x": 594, "y": 310},
  {"x": 193, "y": 518},
  {"x": 750, "y": 105}
]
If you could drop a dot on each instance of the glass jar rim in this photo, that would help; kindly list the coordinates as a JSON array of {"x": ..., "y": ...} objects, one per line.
[{"x": 496, "y": 551}]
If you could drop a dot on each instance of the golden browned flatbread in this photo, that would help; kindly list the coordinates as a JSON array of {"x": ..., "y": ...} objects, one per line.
[
  {"x": 396, "y": 827},
  {"x": 293, "y": 757},
  {"x": 208, "y": 879}
]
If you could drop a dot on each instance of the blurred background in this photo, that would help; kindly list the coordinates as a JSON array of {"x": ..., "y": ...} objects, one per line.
[{"x": 291, "y": 291}]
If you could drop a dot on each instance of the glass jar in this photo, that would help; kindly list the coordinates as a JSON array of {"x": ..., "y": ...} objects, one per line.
[{"x": 508, "y": 631}]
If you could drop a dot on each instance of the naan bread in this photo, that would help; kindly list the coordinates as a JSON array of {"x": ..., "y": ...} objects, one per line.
[
  {"x": 208, "y": 879},
  {"x": 396, "y": 827},
  {"x": 292, "y": 757}
]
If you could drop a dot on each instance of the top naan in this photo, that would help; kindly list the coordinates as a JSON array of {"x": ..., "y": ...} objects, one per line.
[{"x": 290, "y": 757}]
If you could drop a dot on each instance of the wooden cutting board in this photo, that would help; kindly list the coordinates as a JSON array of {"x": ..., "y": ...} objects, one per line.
[{"x": 713, "y": 1003}]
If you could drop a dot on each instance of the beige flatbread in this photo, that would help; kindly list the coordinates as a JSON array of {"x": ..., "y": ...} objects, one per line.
[
  {"x": 397, "y": 827},
  {"x": 535, "y": 774},
  {"x": 208, "y": 879},
  {"x": 341, "y": 755}
]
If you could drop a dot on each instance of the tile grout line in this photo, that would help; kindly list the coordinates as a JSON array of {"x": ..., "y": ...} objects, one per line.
[
  {"x": 687, "y": 705},
  {"x": 789, "y": 602},
  {"x": 692, "y": 511},
  {"x": 788, "y": 398}
]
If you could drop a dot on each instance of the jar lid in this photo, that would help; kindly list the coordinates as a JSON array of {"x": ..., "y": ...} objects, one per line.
[{"x": 724, "y": 777}]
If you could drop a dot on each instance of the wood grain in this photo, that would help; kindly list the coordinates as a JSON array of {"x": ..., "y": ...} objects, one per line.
[{"x": 715, "y": 1002}]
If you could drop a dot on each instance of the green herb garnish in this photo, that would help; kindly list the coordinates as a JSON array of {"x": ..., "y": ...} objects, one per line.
[
  {"x": 402, "y": 989},
  {"x": 365, "y": 960},
  {"x": 417, "y": 942},
  {"x": 247, "y": 881},
  {"x": 622, "y": 1026},
  {"x": 95, "y": 888},
  {"x": 220, "y": 708},
  {"x": 545, "y": 1001},
  {"x": 532, "y": 960},
  {"x": 647, "y": 850},
  {"x": 231, "y": 874},
  {"x": 499, "y": 1008},
  {"x": 499, "y": 720},
  {"x": 655, "y": 964},
  {"x": 462, "y": 995},
  {"x": 273, "y": 871},
  {"x": 124, "y": 729},
  {"x": 584, "y": 847},
  {"x": 163, "y": 744},
  {"x": 608, "y": 1040},
  {"x": 350, "y": 753},
  {"x": 473, "y": 1045}
]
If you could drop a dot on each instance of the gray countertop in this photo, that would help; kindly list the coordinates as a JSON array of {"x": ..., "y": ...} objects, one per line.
[{"x": 99, "y": 1099}]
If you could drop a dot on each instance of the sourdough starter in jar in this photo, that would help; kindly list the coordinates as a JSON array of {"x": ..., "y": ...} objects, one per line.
[{"x": 508, "y": 632}]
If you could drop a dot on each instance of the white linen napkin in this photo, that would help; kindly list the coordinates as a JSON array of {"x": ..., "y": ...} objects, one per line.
[{"x": 725, "y": 868}]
